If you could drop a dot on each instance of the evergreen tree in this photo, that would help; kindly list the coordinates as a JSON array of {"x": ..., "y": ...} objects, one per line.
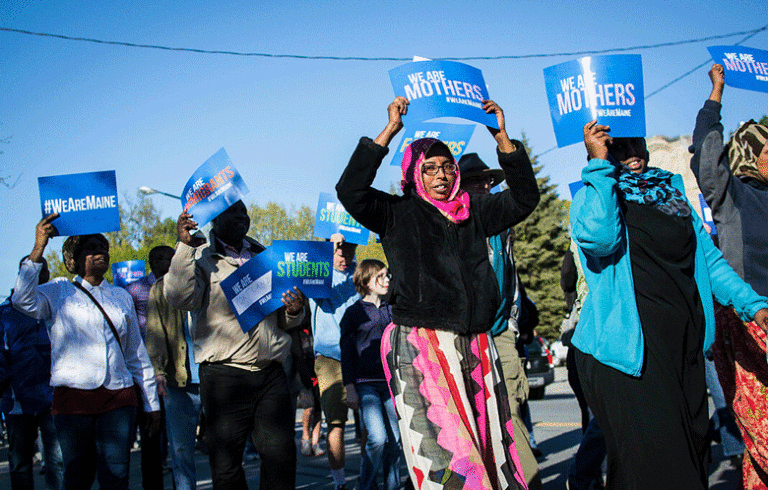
[{"x": 540, "y": 244}]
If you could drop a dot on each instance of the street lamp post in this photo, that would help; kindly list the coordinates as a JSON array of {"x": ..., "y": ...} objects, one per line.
[{"x": 149, "y": 191}]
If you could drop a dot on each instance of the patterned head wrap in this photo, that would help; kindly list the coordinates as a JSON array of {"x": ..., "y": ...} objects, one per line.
[
  {"x": 653, "y": 188},
  {"x": 73, "y": 247},
  {"x": 744, "y": 148},
  {"x": 456, "y": 207}
]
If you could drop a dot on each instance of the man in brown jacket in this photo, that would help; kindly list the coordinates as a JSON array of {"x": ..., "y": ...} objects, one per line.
[{"x": 243, "y": 387}]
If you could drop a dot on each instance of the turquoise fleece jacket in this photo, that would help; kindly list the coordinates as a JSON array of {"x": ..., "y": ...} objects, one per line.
[{"x": 609, "y": 329}]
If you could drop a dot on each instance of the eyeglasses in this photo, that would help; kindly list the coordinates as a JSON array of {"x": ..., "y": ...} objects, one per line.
[
  {"x": 432, "y": 169},
  {"x": 380, "y": 277}
]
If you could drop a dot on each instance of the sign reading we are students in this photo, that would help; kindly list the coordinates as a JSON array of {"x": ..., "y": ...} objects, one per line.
[
  {"x": 87, "y": 202},
  {"x": 442, "y": 89},
  {"x": 126, "y": 272},
  {"x": 606, "y": 88},
  {"x": 744, "y": 67},
  {"x": 331, "y": 217},
  {"x": 215, "y": 186},
  {"x": 255, "y": 289},
  {"x": 456, "y": 136}
]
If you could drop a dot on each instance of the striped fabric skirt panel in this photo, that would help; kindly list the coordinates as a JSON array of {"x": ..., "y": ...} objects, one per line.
[{"x": 452, "y": 409}]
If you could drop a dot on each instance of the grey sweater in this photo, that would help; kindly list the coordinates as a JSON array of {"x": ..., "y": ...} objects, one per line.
[{"x": 739, "y": 207}]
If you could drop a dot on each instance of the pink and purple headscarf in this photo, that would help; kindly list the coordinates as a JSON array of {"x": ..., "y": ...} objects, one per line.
[{"x": 456, "y": 207}]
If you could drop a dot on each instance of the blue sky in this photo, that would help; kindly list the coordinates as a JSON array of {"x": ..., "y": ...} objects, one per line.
[{"x": 290, "y": 125}]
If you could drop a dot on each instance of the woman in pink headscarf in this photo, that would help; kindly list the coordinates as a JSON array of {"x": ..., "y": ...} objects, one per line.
[{"x": 441, "y": 365}]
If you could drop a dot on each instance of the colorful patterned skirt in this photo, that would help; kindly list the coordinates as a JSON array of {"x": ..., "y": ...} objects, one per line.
[
  {"x": 739, "y": 351},
  {"x": 452, "y": 409}
]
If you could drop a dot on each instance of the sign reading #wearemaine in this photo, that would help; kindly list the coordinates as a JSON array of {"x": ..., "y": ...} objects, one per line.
[
  {"x": 126, "y": 272},
  {"x": 255, "y": 289},
  {"x": 606, "y": 88},
  {"x": 87, "y": 202},
  {"x": 215, "y": 186},
  {"x": 744, "y": 67},
  {"x": 331, "y": 217},
  {"x": 456, "y": 136},
  {"x": 442, "y": 89}
]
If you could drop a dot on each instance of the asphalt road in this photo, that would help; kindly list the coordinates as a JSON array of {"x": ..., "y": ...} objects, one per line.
[{"x": 556, "y": 429}]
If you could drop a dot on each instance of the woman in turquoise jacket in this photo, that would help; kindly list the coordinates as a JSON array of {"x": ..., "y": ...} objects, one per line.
[{"x": 652, "y": 271}]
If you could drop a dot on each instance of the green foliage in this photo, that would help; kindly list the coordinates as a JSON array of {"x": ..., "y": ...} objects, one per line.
[
  {"x": 141, "y": 229},
  {"x": 540, "y": 243},
  {"x": 56, "y": 266},
  {"x": 764, "y": 120},
  {"x": 276, "y": 222}
]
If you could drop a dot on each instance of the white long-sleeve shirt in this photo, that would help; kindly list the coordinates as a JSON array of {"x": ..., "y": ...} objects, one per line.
[{"x": 84, "y": 351}]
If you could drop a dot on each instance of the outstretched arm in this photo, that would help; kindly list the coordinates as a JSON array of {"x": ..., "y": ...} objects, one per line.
[
  {"x": 596, "y": 222},
  {"x": 396, "y": 110},
  {"x": 717, "y": 75},
  {"x": 500, "y": 211},
  {"x": 26, "y": 296},
  {"x": 500, "y": 135},
  {"x": 372, "y": 208},
  {"x": 184, "y": 284},
  {"x": 708, "y": 163}
]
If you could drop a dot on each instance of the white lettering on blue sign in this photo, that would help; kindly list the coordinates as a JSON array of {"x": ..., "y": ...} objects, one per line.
[
  {"x": 86, "y": 203},
  {"x": 253, "y": 292},
  {"x": 745, "y": 62}
]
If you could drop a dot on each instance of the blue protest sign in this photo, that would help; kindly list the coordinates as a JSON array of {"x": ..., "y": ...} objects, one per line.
[
  {"x": 706, "y": 212},
  {"x": 215, "y": 186},
  {"x": 744, "y": 67},
  {"x": 574, "y": 187},
  {"x": 307, "y": 265},
  {"x": 87, "y": 202},
  {"x": 456, "y": 136},
  {"x": 331, "y": 217},
  {"x": 606, "y": 88},
  {"x": 440, "y": 89},
  {"x": 255, "y": 289},
  {"x": 124, "y": 273}
]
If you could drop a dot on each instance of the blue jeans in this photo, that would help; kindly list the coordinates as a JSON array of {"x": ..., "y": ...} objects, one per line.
[
  {"x": 383, "y": 447},
  {"x": 723, "y": 420},
  {"x": 182, "y": 409},
  {"x": 22, "y": 434},
  {"x": 96, "y": 446}
]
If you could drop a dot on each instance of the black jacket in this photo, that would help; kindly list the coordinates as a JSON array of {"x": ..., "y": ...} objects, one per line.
[{"x": 442, "y": 278}]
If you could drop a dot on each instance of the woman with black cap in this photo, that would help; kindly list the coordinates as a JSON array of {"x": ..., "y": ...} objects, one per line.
[{"x": 441, "y": 365}]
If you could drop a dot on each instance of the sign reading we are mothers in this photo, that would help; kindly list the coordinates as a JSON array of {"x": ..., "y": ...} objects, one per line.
[
  {"x": 744, "y": 67},
  {"x": 442, "y": 89},
  {"x": 606, "y": 88}
]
